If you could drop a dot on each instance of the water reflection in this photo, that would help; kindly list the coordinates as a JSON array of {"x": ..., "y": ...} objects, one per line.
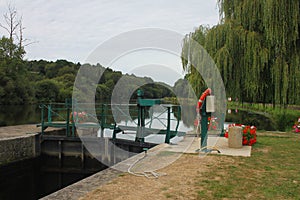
[
  {"x": 262, "y": 122},
  {"x": 156, "y": 119},
  {"x": 19, "y": 114}
]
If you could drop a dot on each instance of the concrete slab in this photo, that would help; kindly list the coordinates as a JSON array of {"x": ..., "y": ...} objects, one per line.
[
  {"x": 164, "y": 154},
  {"x": 190, "y": 144},
  {"x": 21, "y": 130},
  {"x": 18, "y": 130}
]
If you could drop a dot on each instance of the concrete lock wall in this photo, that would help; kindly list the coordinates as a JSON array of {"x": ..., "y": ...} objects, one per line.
[{"x": 18, "y": 148}]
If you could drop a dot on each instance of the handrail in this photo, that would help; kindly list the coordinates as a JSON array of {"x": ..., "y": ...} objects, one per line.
[{"x": 104, "y": 116}]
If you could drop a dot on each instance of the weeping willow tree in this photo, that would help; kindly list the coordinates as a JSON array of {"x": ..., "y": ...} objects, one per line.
[
  {"x": 256, "y": 47},
  {"x": 189, "y": 56}
]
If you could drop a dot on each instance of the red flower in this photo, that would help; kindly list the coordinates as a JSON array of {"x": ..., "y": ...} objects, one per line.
[
  {"x": 226, "y": 134},
  {"x": 196, "y": 121},
  {"x": 252, "y": 141}
]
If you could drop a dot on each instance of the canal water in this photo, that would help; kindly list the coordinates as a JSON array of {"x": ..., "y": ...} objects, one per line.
[
  {"x": 261, "y": 121},
  {"x": 31, "y": 179},
  {"x": 19, "y": 114}
]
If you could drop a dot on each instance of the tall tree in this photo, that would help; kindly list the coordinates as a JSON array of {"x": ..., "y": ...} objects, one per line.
[{"x": 257, "y": 49}]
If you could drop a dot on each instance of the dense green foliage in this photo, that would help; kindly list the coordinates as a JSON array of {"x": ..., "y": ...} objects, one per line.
[
  {"x": 256, "y": 48},
  {"x": 27, "y": 82}
]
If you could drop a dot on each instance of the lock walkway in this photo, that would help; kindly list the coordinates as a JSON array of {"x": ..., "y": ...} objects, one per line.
[
  {"x": 20, "y": 130},
  {"x": 213, "y": 142}
]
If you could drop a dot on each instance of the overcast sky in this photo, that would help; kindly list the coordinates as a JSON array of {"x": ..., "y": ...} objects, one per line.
[{"x": 72, "y": 29}]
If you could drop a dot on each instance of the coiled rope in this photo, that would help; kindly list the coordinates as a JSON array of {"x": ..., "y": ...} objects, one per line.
[{"x": 147, "y": 174}]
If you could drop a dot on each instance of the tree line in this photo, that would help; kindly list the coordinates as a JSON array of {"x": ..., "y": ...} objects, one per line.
[
  {"x": 41, "y": 81},
  {"x": 256, "y": 47}
]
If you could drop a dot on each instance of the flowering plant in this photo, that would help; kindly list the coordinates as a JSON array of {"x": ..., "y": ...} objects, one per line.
[
  {"x": 296, "y": 126},
  {"x": 78, "y": 116},
  {"x": 212, "y": 123},
  {"x": 249, "y": 133}
]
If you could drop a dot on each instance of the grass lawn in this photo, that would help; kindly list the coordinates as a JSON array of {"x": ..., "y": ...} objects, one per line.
[{"x": 272, "y": 172}]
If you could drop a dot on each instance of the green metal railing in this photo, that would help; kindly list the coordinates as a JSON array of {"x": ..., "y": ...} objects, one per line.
[{"x": 72, "y": 115}]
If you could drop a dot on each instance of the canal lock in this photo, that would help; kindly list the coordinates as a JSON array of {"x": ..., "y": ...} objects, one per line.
[{"x": 61, "y": 161}]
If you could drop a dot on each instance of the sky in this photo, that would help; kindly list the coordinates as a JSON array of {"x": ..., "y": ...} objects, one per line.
[{"x": 73, "y": 29}]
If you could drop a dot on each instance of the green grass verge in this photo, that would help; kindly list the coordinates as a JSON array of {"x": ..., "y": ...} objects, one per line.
[{"x": 272, "y": 172}]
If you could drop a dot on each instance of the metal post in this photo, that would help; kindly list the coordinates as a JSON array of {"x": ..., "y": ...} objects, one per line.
[
  {"x": 102, "y": 120},
  {"x": 139, "y": 115},
  {"x": 114, "y": 136},
  {"x": 222, "y": 134},
  {"x": 70, "y": 105},
  {"x": 167, "y": 140},
  {"x": 138, "y": 137},
  {"x": 204, "y": 126},
  {"x": 68, "y": 119},
  {"x": 42, "y": 118},
  {"x": 143, "y": 116},
  {"x": 142, "y": 135},
  {"x": 49, "y": 114},
  {"x": 141, "y": 123}
]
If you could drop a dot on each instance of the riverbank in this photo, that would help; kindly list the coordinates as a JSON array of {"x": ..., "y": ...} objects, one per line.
[
  {"x": 281, "y": 118},
  {"x": 273, "y": 165}
]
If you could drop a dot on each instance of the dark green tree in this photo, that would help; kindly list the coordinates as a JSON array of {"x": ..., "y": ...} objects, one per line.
[{"x": 47, "y": 90}]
